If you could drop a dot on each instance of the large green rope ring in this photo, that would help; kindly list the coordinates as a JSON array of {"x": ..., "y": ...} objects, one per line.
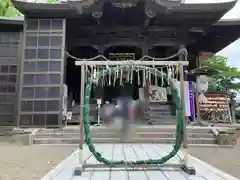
[{"x": 179, "y": 129}]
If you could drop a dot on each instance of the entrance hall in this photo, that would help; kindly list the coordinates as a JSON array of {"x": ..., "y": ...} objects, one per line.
[{"x": 137, "y": 84}]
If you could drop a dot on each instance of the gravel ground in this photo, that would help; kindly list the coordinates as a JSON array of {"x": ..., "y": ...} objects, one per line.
[
  {"x": 225, "y": 159},
  {"x": 33, "y": 162},
  {"x": 29, "y": 162}
]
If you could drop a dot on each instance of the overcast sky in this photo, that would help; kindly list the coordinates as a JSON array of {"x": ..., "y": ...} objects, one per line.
[{"x": 233, "y": 50}]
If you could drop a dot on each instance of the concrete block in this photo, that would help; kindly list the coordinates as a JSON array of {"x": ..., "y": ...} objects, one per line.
[
  {"x": 23, "y": 139},
  {"x": 226, "y": 138}
]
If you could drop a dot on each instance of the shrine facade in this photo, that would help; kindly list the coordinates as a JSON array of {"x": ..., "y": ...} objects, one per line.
[{"x": 34, "y": 65}]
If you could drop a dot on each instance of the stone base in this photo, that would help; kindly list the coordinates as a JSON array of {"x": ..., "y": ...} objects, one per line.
[
  {"x": 189, "y": 170},
  {"x": 7, "y": 139},
  {"x": 23, "y": 139},
  {"x": 78, "y": 171},
  {"x": 226, "y": 138}
]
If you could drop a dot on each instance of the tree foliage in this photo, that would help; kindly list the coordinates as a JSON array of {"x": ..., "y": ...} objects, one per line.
[
  {"x": 228, "y": 78},
  {"x": 7, "y": 9}
]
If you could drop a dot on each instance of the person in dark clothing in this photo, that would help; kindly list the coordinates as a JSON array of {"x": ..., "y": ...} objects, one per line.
[
  {"x": 124, "y": 96},
  {"x": 120, "y": 115}
]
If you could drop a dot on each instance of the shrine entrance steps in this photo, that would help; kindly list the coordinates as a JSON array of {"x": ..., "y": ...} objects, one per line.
[
  {"x": 160, "y": 113},
  {"x": 141, "y": 134},
  {"x": 156, "y": 114}
]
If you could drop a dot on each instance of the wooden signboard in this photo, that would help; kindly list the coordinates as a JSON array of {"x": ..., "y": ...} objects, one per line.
[{"x": 216, "y": 108}]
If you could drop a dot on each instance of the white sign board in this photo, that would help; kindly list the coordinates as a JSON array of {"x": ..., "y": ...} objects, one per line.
[
  {"x": 202, "y": 82},
  {"x": 64, "y": 100},
  {"x": 69, "y": 115}
]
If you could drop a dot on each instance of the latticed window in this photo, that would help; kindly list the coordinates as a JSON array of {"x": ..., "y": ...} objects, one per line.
[
  {"x": 9, "y": 60},
  {"x": 42, "y": 77}
]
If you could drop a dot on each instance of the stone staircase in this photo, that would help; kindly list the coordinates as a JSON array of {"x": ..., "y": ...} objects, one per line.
[
  {"x": 76, "y": 113},
  {"x": 141, "y": 134},
  {"x": 157, "y": 113},
  {"x": 160, "y": 114},
  {"x": 12, "y": 134}
]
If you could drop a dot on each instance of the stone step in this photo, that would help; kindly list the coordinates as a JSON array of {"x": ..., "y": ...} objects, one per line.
[
  {"x": 160, "y": 110},
  {"x": 10, "y": 131},
  {"x": 117, "y": 140},
  {"x": 156, "y": 114},
  {"x": 160, "y": 113},
  {"x": 157, "y": 128},
  {"x": 160, "y": 117},
  {"x": 163, "y": 123},
  {"x": 76, "y": 108},
  {"x": 75, "y": 119},
  {"x": 159, "y": 107},
  {"x": 6, "y": 128},
  {"x": 115, "y": 135}
]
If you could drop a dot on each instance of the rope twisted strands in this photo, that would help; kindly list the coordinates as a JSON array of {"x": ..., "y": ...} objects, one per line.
[{"x": 179, "y": 129}]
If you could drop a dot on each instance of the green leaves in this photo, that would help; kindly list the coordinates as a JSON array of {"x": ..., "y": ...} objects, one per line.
[
  {"x": 227, "y": 78},
  {"x": 52, "y": 1},
  {"x": 8, "y": 10}
]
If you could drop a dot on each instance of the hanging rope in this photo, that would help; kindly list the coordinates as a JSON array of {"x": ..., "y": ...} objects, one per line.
[{"x": 152, "y": 71}]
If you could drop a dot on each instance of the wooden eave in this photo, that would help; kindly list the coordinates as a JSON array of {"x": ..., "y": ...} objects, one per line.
[
  {"x": 220, "y": 35},
  {"x": 71, "y": 7},
  {"x": 213, "y": 36},
  {"x": 11, "y": 24}
]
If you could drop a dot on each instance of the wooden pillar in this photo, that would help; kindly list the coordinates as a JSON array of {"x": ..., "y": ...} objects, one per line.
[
  {"x": 79, "y": 168},
  {"x": 182, "y": 90},
  {"x": 187, "y": 168},
  {"x": 99, "y": 88},
  {"x": 146, "y": 87},
  {"x": 81, "y": 117},
  {"x": 183, "y": 38}
]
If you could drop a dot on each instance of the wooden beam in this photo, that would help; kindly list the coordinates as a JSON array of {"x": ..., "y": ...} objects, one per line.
[
  {"x": 108, "y": 29},
  {"x": 111, "y": 41},
  {"x": 137, "y": 62},
  {"x": 128, "y": 28}
]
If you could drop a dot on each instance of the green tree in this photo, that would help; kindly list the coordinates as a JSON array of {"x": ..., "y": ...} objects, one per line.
[
  {"x": 237, "y": 109},
  {"x": 8, "y": 10},
  {"x": 228, "y": 78}
]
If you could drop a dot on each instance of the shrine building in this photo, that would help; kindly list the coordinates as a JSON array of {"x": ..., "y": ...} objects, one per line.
[{"x": 36, "y": 52}]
